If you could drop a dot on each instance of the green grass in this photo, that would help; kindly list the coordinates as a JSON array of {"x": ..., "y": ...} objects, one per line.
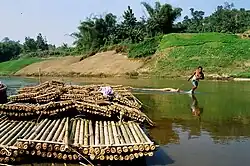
[
  {"x": 12, "y": 66},
  {"x": 144, "y": 49},
  {"x": 218, "y": 53}
]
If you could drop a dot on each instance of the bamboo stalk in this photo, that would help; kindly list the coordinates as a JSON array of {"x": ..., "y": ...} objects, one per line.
[
  {"x": 81, "y": 132},
  {"x": 86, "y": 135},
  {"x": 97, "y": 133},
  {"x": 101, "y": 128},
  {"x": 37, "y": 129},
  {"x": 111, "y": 136},
  {"x": 25, "y": 128},
  {"x": 116, "y": 140},
  {"x": 106, "y": 133},
  {"x": 52, "y": 133},
  {"x": 72, "y": 133},
  {"x": 10, "y": 131},
  {"x": 43, "y": 130},
  {"x": 66, "y": 138},
  {"x": 10, "y": 126},
  {"x": 131, "y": 137},
  {"x": 60, "y": 138},
  {"x": 47, "y": 131},
  {"x": 58, "y": 130},
  {"x": 91, "y": 134},
  {"x": 77, "y": 132}
]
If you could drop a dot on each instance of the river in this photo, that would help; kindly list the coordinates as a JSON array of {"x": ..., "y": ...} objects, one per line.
[{"x": 220, "y": 137}]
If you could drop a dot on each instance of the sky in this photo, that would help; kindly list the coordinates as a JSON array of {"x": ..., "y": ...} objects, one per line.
[{"x": 57, "y": 18}]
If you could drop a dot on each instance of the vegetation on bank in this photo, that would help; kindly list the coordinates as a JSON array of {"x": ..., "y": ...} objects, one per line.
[
  {"x": 12, "y": 66},
  {"x": 223, "y": 54},
  {"x": 156, "y": 31}
]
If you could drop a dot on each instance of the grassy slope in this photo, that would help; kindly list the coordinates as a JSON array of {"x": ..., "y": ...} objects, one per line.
[
  {"x": 12, "y": 66},
  {"x": 178, "y": 54}
]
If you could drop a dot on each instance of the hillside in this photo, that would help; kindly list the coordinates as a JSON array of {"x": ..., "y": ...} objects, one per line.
[
  {"x": 219, "y": 54},
  {"x": 106, "y": 63},
  {"x": 176, "y": 55}
]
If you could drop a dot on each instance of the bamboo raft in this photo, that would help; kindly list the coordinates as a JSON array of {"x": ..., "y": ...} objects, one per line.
[
  {"x": 10, "y": 131},
  {"x": 54, "y": 97},
  {"x": 70, "y": 129},
  {"x": 66, "y": 139}
]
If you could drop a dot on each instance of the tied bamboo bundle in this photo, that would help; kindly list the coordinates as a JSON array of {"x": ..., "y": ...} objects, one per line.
[
  {"x": 97, "y": 140},
  {"x": 49, "y": 139},
  {"x": 27, "y": 109},
  {"x": 109, "y": 140},
  {"x": 10, "y": 131},
  {"x": 53, "y": 97}
]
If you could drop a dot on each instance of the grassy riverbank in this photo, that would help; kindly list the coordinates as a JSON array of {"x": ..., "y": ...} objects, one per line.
[
  {"x": 12, "y": 66},
  {"x": 220, "y": 54},
  {"x": 174, "y": 55}
]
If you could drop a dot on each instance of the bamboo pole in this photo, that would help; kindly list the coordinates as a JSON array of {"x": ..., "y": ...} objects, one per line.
[
  {"x": 111, "y": 136},
  {"x": 52, "y": 133},
  {"x": 47, "y": 131},
  {"x": 25, "y": 128},
  {"x": 152, "y": 146},
  {"x": 106, "y": 133},
  {"x": 61, "y": 136},
  {"x": 43, "y": 130},
  {"x": 76, "y": 138},
  {"x": 97, "y": 136},
  {"x": 59, "y": 130},
  {"x": 37, "y": 129},
  {"x": 72, "y": 133},
  {"x": 10, "y": 126},
  {"x": 91, "y": 134},
  {"x": 10, "y": 131},
  {"x": 81, "y": 132},
  {"x": 101, "y": 128},
  {"x": 86, "y": 134},
  {"x": 66, "y": 138}
]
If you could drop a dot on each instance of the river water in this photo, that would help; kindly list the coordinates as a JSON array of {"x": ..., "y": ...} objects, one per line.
[{"x": 219, "y": 137}]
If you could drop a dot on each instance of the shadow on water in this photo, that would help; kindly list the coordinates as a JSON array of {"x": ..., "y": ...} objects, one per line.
[{"x": 160, "y": 158}]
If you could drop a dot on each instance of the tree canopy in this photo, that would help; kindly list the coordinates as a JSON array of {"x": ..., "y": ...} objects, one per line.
[{"x": 99, "y": 31}]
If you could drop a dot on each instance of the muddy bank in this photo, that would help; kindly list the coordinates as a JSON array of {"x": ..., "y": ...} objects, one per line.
[{"x": 103, "y": 64}]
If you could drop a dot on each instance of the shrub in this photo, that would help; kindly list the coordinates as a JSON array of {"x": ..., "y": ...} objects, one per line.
[{"x": 144, "y": 49}]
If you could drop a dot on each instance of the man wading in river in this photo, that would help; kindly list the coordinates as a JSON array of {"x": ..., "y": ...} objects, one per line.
[{"x": 197, "y": 75}]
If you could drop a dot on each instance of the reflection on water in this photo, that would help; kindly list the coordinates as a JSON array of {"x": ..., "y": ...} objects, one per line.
[{"x": 210, "y": 128}]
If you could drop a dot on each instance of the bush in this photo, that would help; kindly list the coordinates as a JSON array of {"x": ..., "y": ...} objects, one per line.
[
  {"x": 144, "y": 49},
  {"x": 121, "y": 48}
]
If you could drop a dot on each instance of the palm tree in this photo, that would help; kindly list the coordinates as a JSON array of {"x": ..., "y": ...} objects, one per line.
[{"x": 161, "y": 17}]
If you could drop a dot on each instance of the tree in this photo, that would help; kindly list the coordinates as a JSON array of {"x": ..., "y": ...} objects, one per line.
[
  {"x": 41, "y": 42},
  {"x": 161, "y": 18},
  {"x": 95, "y": 32},
  {"x": 29, "y": 45},
  {"x": 9, "y": 49},
  {"x": 130, "y": 28},
  {"x": 195, "y": 23}
]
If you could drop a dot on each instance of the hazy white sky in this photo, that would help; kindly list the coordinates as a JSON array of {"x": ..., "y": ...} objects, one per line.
[{"x": 55, "y": 18}]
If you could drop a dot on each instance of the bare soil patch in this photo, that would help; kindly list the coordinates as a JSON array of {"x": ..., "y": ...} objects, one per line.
[{"x": 105, "y": 63}]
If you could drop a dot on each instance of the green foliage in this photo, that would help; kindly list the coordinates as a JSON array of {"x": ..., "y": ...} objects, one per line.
[
  {"x": 226, "y": 19},
  {"x": 146, "y": 48},
  {"x": 12, "y": 66},
  {"x": 218, "y": 53},
  {"x": 139, "y": 37},
  {"x": 9, "y": 49}
]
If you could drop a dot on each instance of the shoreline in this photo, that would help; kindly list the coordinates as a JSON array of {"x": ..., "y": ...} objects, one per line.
[{"x": 126, "y": 76}]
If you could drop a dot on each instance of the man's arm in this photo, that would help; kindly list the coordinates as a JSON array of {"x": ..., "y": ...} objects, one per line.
[
  {"x": 201, "y": 76},
  {"x": 191, "y": 76}
]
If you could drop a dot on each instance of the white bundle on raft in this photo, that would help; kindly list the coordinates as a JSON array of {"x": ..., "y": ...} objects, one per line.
[{"x": 106, "y": 91}]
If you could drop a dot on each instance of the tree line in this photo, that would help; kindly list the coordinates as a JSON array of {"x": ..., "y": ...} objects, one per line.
[{"x": 97, "y": 32}]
